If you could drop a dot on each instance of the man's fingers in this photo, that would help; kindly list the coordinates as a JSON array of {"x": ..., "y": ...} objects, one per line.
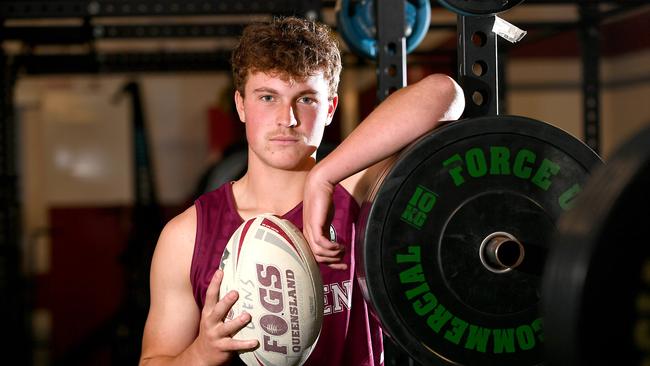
[
  {"x": 326, "y": 251},
  {"x": 329, "y": 252},
  {"x": 313, "y": 232},
  {"x": 338, "y": 266},
  {"x": 334, "y": 263},
  {"x": 327, "y": 260},
  {"x": 223, "y": 306},
  {"x": 212, "y": 293},
  {"x": 233, "y": 326},
  {"x": 321, "y": 252},
  {"x": 321, "y": 241},
  {"x": 324, "y": 246},
  {"x": 231, "y": 345},
  {"x": 230, "y": 328}
]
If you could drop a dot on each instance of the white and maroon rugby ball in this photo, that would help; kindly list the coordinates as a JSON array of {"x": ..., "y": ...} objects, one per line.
[{"x": 269, "y": 262}]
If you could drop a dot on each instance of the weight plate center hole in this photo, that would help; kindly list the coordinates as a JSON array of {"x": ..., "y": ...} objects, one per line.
[{"x": 501, "y": 252}]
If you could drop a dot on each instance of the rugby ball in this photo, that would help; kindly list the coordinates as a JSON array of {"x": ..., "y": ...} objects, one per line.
[{"x": 269, "y": 262}]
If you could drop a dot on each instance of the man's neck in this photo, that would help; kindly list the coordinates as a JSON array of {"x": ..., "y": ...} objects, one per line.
[{"x": 264, "y": 189}]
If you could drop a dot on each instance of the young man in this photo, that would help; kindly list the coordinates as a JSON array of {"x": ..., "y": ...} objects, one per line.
[{"x": 286, "y": 75}]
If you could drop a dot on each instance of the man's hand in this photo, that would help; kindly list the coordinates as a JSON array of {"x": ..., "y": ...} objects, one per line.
[
  {"x": 316, "y": 204},
  {"x": 214, "y": 342}
]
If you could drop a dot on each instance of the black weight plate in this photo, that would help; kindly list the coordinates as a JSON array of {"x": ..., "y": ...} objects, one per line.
[
  {"x": 422, "y": 228},
  {"x": 597, "y": 283},
  {"x": 478, "y": 7}
]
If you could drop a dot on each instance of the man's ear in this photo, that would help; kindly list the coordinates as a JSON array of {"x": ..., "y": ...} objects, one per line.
[
  {"x": 239, "y": 103},
  {"x": 331, "y": 108}
]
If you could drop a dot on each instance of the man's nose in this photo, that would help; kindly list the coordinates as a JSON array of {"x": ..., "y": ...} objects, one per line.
[{"x": 288, "y": 118}]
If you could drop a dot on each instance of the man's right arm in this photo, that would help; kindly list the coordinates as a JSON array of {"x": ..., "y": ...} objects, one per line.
[{"x": 176, "y": 331}]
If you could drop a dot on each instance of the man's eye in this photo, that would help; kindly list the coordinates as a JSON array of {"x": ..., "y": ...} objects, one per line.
[
  {"x": 306, "y": 100},
  {"x": 267, "y": 98}
]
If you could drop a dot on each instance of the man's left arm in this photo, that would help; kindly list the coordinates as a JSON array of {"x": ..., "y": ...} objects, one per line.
[{"x": 399, "y": 120}]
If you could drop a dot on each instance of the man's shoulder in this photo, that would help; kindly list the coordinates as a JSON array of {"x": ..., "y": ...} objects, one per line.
[
  {"x": 361, "y": 183},
  {"x": 176, "y": 242},
  {"x": 181, "y": 224}
]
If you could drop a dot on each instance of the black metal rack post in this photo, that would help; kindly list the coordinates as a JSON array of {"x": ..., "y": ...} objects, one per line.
[
  {"x": 478, "y": 65},
  {"x": 11, "y": 280},
  {"x": 391, "y": 47},
  {"x": 589, "y": 34}
]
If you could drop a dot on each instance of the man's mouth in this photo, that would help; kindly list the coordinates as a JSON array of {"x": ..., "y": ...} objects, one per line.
[{"x": 284, "y": 140}]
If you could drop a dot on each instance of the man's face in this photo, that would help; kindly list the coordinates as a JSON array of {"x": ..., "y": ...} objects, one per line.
[{"x": 284, "y": 119}]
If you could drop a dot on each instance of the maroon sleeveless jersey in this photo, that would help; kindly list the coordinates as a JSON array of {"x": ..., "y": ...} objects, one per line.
[{"x": 350, "y": 334}]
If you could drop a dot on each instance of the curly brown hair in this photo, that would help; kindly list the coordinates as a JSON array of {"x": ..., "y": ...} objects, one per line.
[{"x": 294, "y": 48}]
